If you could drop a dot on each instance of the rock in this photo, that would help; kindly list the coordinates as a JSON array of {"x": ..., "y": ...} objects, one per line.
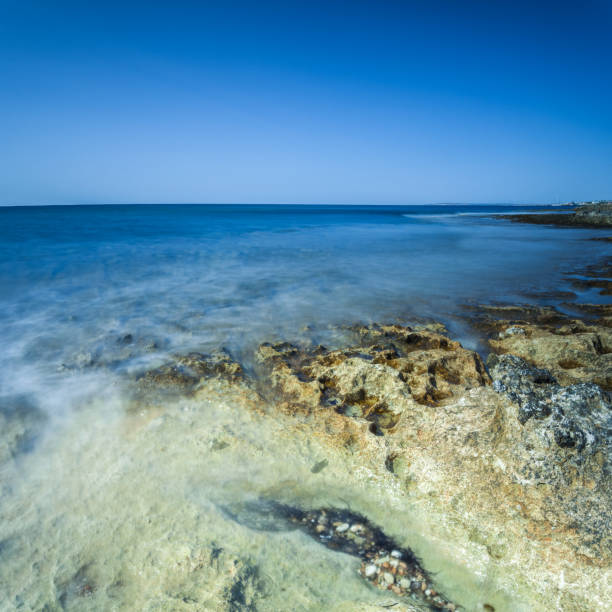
[
  {"x": 586, "y": 215},
  {"x": 386, "y": 579},
  {"x": 573, "y": 353},
  {"x": 185, "y": 372},
  {"x": 21, "y": 422},
  {"x": 594, "y": 214},
  {"x": 371, "y": 570},
  {"x": 389, "y": 370},
  {"x": 520, "y": 468},
  {"x": 564, "y": 444},
  {"x": 573, "y": 350}
]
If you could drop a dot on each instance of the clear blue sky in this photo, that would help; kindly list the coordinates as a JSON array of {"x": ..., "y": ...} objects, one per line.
[{"x": 340, "y": 102}]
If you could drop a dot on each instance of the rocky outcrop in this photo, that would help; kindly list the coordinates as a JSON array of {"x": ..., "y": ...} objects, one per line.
[
  {"x": 508, "y": 470},
  {"x": 185, "y": 372},
  {"x": 594, "y": 214},
  {"x": 574, "y": 352},
  {"x": 521, "y": 467},
  {"x": 389, "y": 369},
  {"x": 586, "y": 215},
  {"x": 564, "y": 444}
]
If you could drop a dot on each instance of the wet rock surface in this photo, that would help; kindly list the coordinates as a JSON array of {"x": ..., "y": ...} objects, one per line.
[
  {"x": 597, "y": 276},
  {"x": 388, "y": 368},
  {"x": 383, "y": 562},
  {"x": 587, "y": 215},
  {"x": 503, "y": 472},
  {"x": 522, "y": 466},
  {"x": 21, "y": 423},
  {"x": 573, "y": 350},
  {"x": 186, "y": 372}
]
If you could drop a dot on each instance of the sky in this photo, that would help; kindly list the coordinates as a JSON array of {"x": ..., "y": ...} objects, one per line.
[{"x": 377, "y": 102}]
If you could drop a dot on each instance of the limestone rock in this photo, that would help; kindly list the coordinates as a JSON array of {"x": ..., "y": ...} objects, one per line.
[
  {"x": 185, "y": 372},
  {"x": 574, "y": 352},
  {"x": 384, "y": 375}
]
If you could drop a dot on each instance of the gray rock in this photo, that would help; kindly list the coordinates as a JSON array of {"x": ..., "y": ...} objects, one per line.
[{"x": 579, "y": 415}]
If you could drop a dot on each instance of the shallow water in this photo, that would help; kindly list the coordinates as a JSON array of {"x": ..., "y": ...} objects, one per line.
[{"x": 106, "y": 506}]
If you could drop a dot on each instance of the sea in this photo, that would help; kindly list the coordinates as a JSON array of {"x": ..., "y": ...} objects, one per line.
[{"x": 94, "y": 512}]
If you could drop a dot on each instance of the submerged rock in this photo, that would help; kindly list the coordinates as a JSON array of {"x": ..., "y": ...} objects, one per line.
[
  {"x": 383, "y": 563},
  {"x": 506, "y": 477},
  {"x": 21, "y": 422},
  {"x": 186, "y": 372}
]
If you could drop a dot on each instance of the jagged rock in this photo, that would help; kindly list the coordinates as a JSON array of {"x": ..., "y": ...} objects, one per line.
[
  {"x": 390, "y": 369},
  {"x": 185, "y": 372},
  {"x": 521, "y": 467},
  {"x": 574, "y": 352},
  {"x": 579, "y": 416},
  {"x": 564, "y": 444}
]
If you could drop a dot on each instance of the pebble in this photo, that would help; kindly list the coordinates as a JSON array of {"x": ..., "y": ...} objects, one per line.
[
  {"x": 388, "y": 578},
  {"x": 342, "y": 528},
  {"x": 370, "y": 570},
  {"x": 396, "y": 553}
]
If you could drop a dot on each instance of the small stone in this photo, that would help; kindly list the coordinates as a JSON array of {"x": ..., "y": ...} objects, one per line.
[
  {"x": 370, "y": 570},
  {"x": 356, "y": 527},
  {"x": 342, "y": 528},
  {"x": 404, "y": 583},
  {"x": 396, "y": 553},
  {"x": 387, "y": 578}
]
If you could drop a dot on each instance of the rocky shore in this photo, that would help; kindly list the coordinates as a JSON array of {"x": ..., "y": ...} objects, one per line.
[
  {"x": 475, "y": 481},
  {"x": 585, "y": 215},
  {"x": 510, "y": 460}
]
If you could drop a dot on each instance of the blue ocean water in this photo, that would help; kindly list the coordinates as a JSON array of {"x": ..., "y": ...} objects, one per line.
[
  {"x": 118, "y": 287},
  {"x": 111, "y": 501}
]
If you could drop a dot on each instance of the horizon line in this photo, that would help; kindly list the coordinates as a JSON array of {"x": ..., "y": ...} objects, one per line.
[{"x": 46, "y": 205}]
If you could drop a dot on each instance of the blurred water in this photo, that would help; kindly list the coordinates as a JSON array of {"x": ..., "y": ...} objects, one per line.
[
  {"x": 119, "y": 286},
  {"x": 90, "y": 293}
]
